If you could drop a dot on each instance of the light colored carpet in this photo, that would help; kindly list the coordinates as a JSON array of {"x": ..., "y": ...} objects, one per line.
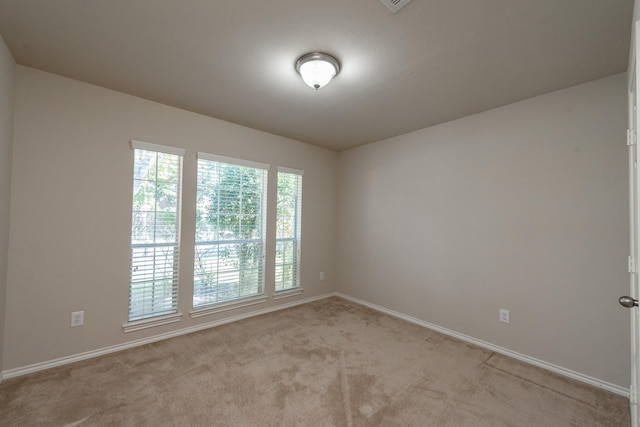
[{"x": 326, "y": 363}]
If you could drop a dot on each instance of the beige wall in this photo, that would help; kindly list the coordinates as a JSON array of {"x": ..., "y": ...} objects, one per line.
[
  {"x": 71, "y": 211},
  {"x": 7, "y": 78},
  {"x": 523, "y": 207}
]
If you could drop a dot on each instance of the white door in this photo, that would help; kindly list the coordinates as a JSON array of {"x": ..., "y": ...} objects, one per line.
[{"x": 634, "y": 225}]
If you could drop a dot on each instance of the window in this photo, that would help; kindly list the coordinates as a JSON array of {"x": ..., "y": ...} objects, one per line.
[
  {"x": 230, "y": 229},
  {"x": 155, "y": 230},
  {"x": 289, "y": 213}
]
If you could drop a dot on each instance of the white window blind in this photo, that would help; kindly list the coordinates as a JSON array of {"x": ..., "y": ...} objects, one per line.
[
  {"x": 155, "y": 230},
  {"x": 289, "y": 213},
  {"x": 230, "y": 229}
]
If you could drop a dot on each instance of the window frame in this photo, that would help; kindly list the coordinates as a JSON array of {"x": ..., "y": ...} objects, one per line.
[
  {"x": 204, "y": 308},
  {"x": 163, "y": 316},
  {"x": 296, "y": 238}
]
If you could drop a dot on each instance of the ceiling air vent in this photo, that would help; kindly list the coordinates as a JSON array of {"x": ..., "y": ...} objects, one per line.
[{"x": 395, "y": 5}]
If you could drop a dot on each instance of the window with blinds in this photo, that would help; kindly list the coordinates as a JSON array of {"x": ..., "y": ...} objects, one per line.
[
  {"x": 155, "y": 230},
  {"x": 230, "y": 229},
  {"x": 289, "y": 212}
]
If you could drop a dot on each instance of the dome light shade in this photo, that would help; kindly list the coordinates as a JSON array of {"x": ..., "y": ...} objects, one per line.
[{"x": 317, "y": 69}]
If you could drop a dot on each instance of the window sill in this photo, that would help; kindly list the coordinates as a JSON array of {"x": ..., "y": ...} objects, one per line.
[
  {"x": 225, "y": 306},
  {"x": 139, "y": 325},
  {"x": 287, "y": 293}
]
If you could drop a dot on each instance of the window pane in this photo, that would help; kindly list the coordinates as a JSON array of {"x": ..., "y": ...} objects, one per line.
[
  {"x": 230, "y": 232},
  {"x": 155, "y": 218},
  {"x": 289, "y": 209}
]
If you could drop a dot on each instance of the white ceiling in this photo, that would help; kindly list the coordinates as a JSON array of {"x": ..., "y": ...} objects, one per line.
[{"x": 433, "y": 61}]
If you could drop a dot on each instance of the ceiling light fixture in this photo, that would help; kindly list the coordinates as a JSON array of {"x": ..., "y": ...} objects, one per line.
[{"x": 317, "y": 69}]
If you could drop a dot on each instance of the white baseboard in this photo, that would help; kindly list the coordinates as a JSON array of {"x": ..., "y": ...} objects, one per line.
[
  {"x": 505, "y": 351},
  {"x": 12, "y": 373}
]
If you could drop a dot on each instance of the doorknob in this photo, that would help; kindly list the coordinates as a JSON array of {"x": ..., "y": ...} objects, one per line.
[{"x": 628, "y": 302}]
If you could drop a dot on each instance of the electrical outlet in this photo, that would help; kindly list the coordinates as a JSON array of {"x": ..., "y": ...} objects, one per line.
[
  {"x": 322, "y": 275},
  {"x": 77, "y": 318},
  {"x": 504, "y": 315}
]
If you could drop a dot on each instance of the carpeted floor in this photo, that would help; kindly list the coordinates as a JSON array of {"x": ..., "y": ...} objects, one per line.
[{"x": 326, "y": 363}]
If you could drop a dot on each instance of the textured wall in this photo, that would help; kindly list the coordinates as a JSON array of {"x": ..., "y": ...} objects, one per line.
[
  {"x": 71, "y": 211},
  {"x": 522, "y": 207},
  {"x": 7, "y": 77}
]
